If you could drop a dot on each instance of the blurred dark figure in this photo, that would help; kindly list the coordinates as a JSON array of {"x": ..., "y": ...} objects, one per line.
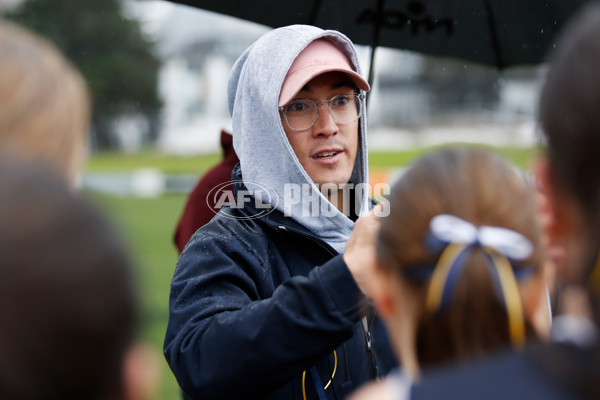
[
  {"x": 67, "y": 308},
  {"x": 570, "y": 179},
  {"x": 197, "y": 211},
  {"x": 44, "y": 103}
]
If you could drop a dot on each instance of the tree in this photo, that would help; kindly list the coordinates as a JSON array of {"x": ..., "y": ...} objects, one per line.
[{"x": 112, "y": 53}]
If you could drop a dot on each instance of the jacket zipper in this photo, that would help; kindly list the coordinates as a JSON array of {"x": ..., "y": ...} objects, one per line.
[{"x": 370, "y": 353}]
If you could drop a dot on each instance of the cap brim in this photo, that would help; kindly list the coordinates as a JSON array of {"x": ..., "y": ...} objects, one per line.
[{"x": 298, "y": 79}]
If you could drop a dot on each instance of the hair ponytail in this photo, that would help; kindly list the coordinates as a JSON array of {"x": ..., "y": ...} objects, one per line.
[{"x": 476, "y": 315}]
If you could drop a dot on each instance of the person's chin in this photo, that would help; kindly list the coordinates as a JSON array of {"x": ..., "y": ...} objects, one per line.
[
  {"x": 339, "y": 180},
  {"x": 337, "y": 173}
]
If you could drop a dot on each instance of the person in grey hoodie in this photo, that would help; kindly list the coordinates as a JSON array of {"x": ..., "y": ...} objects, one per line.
[{"x": 269, "y": 300}]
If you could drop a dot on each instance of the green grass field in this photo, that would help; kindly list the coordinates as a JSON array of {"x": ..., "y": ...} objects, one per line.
[
  {"x": 118, "y": 162},
  {"x": 147, "y": 225}
]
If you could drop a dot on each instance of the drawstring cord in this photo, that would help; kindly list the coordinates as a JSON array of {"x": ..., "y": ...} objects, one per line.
[{"x": 317, "y": 381}]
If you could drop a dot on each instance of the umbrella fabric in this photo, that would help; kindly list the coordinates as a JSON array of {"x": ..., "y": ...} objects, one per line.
[{"x": 499, "y": 33}]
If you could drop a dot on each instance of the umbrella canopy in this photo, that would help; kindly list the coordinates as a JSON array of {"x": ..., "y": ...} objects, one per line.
[{"x": 498, "y": 33}]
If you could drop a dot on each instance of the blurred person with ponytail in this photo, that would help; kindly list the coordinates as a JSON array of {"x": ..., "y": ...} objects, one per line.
[{"x": 462, "y": 272}]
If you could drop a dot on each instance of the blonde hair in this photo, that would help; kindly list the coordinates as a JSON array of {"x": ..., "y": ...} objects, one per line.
[
  {"x": 478, "y": 187},
  {"x": 44, "y": 103}
]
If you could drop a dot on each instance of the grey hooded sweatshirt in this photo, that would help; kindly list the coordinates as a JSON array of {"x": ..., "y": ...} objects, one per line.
[{"x": 266, "y": 156}]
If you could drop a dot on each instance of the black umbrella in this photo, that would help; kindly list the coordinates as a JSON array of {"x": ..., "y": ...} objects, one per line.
[{"x": 498, "y": 33}]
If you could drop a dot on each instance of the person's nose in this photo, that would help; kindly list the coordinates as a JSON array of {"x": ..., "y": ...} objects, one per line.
[{"x": 325, "y": 125}]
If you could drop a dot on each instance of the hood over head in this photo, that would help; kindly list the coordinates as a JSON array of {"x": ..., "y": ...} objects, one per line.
[{"x": 266, "y": 156}]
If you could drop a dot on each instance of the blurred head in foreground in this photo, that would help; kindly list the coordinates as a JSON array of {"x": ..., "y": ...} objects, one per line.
[
  {"x": 44, "y": 103},
  {"x": 461, "y": 260},
  {"x": 67, "y": 309},
  {"x": 570, "y": 123}
]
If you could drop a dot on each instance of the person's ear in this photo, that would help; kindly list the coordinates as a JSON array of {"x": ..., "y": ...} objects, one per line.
[
  {"x": 553, "y": 207},
  {"x": 383, "y": 296},
  {"x": 141, "y": 373}
]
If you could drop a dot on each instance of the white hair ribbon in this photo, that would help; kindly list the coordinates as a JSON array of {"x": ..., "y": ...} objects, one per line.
[
  {"x": 451, "y": 229},
  {"x": 501, "y": 245}
]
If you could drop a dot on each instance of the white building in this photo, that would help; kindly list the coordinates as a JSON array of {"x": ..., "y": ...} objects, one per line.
[{"x": 414, "y": 100}]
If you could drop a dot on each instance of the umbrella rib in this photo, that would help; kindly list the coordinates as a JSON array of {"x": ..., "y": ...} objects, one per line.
[
  {"x": 376, "y": 38},
  {"x": 314, "y": 12},
  {"x": 494, "y": 33}
]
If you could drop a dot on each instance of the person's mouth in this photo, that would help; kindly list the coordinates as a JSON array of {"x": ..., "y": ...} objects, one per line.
[{"x": 327, "y": 156}]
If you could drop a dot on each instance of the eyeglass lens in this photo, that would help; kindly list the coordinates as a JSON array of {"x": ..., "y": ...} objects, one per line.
[{"x": 302, "y": 114}]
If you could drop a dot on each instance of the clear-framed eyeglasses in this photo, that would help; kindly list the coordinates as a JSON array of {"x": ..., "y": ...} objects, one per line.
[{"x": 302, "y": 114}]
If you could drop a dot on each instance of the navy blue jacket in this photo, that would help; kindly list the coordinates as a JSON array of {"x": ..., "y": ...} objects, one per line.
[
  {"x": 256, "y": 302},
  {"x": 545, "y": 373}
]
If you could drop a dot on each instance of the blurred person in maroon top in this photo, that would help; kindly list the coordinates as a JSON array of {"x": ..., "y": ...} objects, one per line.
[{"x": 197, "y": 211}]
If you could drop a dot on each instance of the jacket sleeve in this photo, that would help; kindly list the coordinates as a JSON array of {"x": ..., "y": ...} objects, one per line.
[{"x": 223, "y": 340}]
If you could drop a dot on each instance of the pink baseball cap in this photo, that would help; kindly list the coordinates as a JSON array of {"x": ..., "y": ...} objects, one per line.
[{"x": 318, "y": 57}]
